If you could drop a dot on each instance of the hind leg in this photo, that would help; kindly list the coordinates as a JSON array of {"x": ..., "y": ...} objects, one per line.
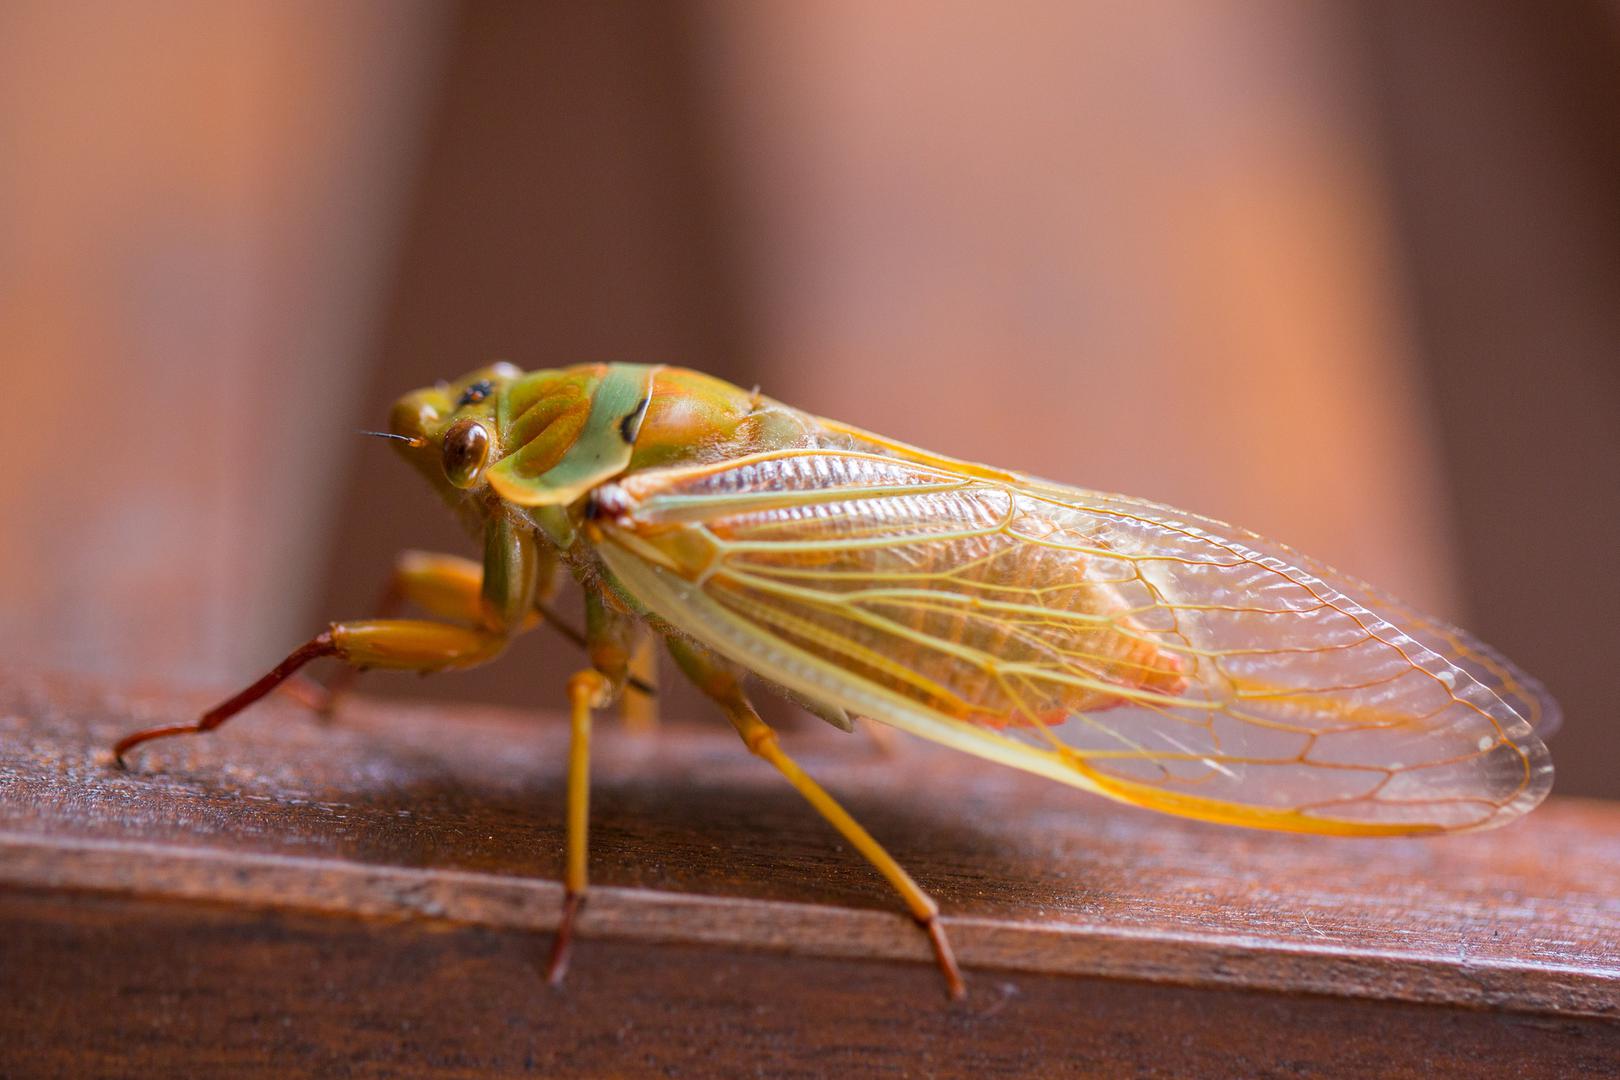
[{"x": 722, "y": 682}]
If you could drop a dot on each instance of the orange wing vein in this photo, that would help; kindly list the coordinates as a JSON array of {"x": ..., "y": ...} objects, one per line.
[{"x": 1125, "y": 647}]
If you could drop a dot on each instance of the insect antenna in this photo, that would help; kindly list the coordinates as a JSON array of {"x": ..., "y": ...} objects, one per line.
[{"x": 391, "y": 435}]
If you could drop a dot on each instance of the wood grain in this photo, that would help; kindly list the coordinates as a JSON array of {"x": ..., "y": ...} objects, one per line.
[{"x": 250, "y": 896}]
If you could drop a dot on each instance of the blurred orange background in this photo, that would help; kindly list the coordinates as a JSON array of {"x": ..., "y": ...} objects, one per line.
[{"x": 1346, "y": 274}]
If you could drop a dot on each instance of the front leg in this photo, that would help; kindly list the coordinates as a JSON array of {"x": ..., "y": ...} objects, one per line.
[
  {"x": 451, "y": 588},
  {"x": 447, "y": 587},
  {"x": 502, "y": 608},
  {"x": 401, "y": 644}
]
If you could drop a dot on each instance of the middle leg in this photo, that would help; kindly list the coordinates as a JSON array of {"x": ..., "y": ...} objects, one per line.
[{"x": 610, "y": 635}]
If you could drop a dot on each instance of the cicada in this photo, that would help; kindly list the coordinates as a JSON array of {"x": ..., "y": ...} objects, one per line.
[{"x": 1121, "y": 646}]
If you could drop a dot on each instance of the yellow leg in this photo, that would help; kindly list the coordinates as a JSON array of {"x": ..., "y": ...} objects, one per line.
[
  {"x": 721, "y": 683},
  {"x": 448, "y": 587},
  {"x": 587, "y": 690},
  {"x": 445, "y": 586},
  {"x": 402, "y": 644},
  {"x": 609, "y": 632}
]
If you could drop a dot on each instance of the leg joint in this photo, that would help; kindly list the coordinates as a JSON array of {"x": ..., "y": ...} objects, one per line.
[
  {"x": 589, "y": 686},
  {"x": 757, "y": 737}
]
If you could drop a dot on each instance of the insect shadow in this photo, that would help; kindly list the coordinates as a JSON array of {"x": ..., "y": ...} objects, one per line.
[{"x": 716, "y": 822}]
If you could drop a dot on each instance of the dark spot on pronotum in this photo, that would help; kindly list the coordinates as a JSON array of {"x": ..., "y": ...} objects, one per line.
[
  {"x": 630, "y": 426},
  {"x": 475, "y": 393}
]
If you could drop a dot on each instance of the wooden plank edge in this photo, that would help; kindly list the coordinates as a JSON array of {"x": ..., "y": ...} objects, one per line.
[{"x": 627, "y": 914}]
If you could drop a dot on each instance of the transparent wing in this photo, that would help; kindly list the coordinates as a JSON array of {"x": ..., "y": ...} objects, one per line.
[{"x": 1148, "y": 654}]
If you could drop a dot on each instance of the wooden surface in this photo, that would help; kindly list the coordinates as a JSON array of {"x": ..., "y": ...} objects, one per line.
[{"x": 372, "y": 898}]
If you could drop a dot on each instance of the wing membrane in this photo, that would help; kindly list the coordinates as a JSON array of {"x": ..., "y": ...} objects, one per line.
[{"x": 1125, "y": 647}]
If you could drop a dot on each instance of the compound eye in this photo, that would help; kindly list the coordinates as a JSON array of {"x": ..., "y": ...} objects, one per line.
[{"x": 466, "y": 449}]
